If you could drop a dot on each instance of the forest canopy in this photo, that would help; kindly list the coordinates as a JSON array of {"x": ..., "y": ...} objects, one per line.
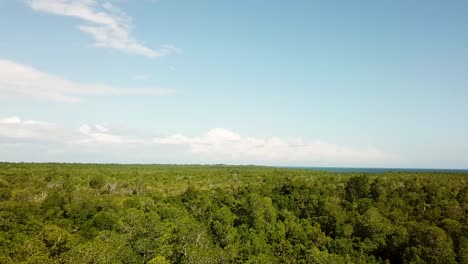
[{"x": 90, "y": 213}]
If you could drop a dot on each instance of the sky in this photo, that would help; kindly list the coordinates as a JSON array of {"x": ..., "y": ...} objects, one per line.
[{"x": 289, "y": 83}]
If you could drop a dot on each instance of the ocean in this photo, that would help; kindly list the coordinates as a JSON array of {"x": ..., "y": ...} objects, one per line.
[{"x": 378, "y": 170}]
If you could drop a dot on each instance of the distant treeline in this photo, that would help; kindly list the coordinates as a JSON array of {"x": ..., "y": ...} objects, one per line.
[{"x": 72, "y": 213}]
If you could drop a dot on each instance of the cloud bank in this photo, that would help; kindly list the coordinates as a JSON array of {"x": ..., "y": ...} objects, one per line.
[
  {"x": 23, "y": 140},
  {"x": 15, "y": 129},
  {"x": 23, "y": 80},
  {"x": 220, "y": 144},
  {"x": 107, "y": 24}
]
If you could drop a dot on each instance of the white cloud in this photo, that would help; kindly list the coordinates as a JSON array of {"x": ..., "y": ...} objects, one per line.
[
  {"x": 141, "y": 77},
  {"x": 222, "y": 145},
  {"x": 22, "y": 80},
  {"x": 107, "y": 24},
  {"x": 14, "y": 128},
  {"x": 98, "y": 134},
  {"x": 37, "y": 141}
]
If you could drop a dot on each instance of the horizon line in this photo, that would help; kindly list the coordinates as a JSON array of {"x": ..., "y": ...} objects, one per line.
[{"x": 239, "y": 165}]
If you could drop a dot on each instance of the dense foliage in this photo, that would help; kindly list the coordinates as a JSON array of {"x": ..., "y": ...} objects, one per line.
[{"x": 70, "y": 213}]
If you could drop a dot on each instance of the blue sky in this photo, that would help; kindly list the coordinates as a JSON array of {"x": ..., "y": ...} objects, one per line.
[{"x": 310, "y": 83}]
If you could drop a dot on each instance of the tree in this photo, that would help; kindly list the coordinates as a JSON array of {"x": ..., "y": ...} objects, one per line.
[
  {"x": 358, "y": 187},
  {"x": 159, "y": 260},
  {"x": 429, "y": 244},
  {"x": 107, "y": 247},
  {"x": 463, "y": 250},
  {"x": 57, "y": 240},
  {"x": 97, "y": 182}
]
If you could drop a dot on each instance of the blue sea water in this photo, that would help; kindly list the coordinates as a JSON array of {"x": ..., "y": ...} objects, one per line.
[{"x": 378, "y": 170}]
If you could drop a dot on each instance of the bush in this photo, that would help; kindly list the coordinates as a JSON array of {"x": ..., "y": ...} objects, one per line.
[{"x": 97, "y": 182}]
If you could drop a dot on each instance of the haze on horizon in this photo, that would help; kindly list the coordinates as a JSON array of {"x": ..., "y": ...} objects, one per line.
[{"x": 297, "y": 83}]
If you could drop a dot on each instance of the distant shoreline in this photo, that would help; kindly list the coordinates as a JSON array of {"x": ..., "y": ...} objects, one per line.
[
  {"x": 370, "y": 170},
  {"x": 374, "y": 170}
]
